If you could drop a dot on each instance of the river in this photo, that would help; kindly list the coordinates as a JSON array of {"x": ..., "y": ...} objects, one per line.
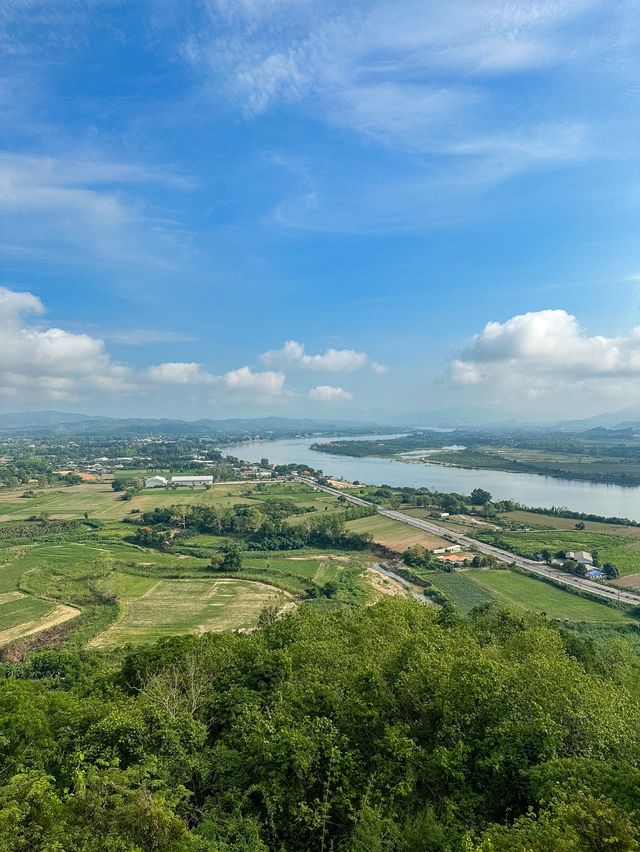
[{"x": 527, "y": 488}]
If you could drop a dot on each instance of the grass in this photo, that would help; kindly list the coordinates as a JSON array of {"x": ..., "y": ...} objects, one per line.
[
  {"x": 104, "y": 504},
  {"x": 22, "y": 615},
  {"x": 522, "y": 592},
  {"x": 49, "y": 579},
  {"x": 460, "y": 589},
  {"x": 171, "y": 607},
  {"x": 619, "y": 548},
  {"x": 16, "y": 608},
  {"x": 394, "y": 534},
  {"x": 552, "y": 522}
]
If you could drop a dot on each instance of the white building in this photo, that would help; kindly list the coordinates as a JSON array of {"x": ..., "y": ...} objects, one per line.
[
  {"x": 580, "y": 556},
  {"x": 452, "y": 548},
  {"x": 192, "y": 480},
  {"x": 155, "y": 482}
]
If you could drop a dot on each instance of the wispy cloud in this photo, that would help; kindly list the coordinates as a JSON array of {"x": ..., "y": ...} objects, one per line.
[
  {"x": 88, "y": 203},
  {"x": 146, "y": 336},
  {"x": 427, "y": 80}
]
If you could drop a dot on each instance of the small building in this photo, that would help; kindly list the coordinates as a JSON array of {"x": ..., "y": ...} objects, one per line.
[
  {"x": 580, "y": 556},
  {"x": 452, "y": 548},
  {"x": 595, "y": 574},
  {"x": 191, "y": 480},
  {"x": 453, "y": 559},
  {"x": 155, "y": 482}
]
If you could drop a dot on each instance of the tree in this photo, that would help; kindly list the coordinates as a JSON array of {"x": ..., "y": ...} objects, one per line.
[
  {"x": 580, "y": 525},
  {"x": 479, "y": 497},
  {"x": 232, "y": 559},
  {"x": 329, "y": 589},
  {"x": 610, "y": 571}
]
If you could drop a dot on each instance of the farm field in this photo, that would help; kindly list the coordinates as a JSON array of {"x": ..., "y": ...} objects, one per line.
[
  {"x": 102, "y": 503},
  {"x": 171, "y": 607},
  {"x": 619, "y": 548},
  {"x": 394, "y": 534},
  {"x": 552, "y": 522},
  {"x": 62, "y": 572},
  {"x": 522, "y": 592},
  {"x": 21, "y": 615},
  {"x": 460, "y": 589}
]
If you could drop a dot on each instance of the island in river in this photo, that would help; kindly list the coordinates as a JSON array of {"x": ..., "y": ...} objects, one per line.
[{"x": 599, "y": 455}]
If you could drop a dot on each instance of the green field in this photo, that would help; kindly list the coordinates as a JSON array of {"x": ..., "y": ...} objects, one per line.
[
  {"x": 52, "y": 578},
  {"x": 21, "y": 615},
  {"x": 460, "y": 589},
  {"x": 522, "y": 592},
  {"x": 620, "y": 548},
  {"x": 551, "y": 522},
  {"x": 171, "y": 607},
  {"x": 394, "y": 534}
]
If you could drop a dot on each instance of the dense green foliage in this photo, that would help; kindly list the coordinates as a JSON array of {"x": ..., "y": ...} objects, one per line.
[
  {"x": 392, "y": 728},
  {"x": 261, "y": 527}
]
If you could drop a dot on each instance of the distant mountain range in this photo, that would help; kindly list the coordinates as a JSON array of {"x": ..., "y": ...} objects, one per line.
[
  {"x": 65, "y": 422},
  {"x": 626, "y": 418},
  {"x": 462, "y": 417}
]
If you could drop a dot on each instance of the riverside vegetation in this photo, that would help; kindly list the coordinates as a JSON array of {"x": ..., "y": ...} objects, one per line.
[{"x": 597, "y": 455}]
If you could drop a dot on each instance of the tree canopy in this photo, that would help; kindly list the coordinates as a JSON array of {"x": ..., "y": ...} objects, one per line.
[{"x": 396, "y": 727}]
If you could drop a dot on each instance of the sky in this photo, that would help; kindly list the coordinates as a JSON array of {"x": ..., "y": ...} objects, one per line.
[{"x": 214, "y": 208}]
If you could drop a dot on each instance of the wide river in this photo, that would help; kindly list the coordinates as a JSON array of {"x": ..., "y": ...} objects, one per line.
[{"x": 527, "y": 488}]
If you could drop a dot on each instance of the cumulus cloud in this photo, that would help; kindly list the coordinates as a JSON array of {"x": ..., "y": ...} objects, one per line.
[
  {"x": 266, "y": 383},
  {"x": 244, "y": 380},
  {"x": 178, "y": 373},
  {"x": 547, "y": 352},
  {"x": 51, "y": 361},
  {"x": 327, "y": 393},
  {"x": 330, "y": 361}
]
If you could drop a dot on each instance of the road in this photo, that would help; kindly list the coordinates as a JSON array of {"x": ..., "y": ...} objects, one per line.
[{"x": 542, "y": 570}]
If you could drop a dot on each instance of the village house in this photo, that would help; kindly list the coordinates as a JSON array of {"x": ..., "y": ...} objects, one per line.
[{"x": 580, "y": 556}]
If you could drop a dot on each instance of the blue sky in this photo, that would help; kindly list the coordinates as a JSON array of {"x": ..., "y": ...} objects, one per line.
[{"x": 436, "y": 202}]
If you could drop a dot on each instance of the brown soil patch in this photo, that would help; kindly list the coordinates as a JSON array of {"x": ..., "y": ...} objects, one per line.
[
  {"x": 384, "y": 586},
  {"x": 631, "y": 580}
]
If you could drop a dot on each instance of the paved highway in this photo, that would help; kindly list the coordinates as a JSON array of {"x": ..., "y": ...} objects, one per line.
[{"x": 501, "y": 555}]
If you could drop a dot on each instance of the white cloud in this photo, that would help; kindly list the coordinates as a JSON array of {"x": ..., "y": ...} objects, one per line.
[
  {"x": 327, "y": 393},
  {"x": 37, "y": 362},
  {"x": 372, "y": 66},
  {"x": 244, "y": 380},
  {"x": 330, "y": 361},
  {"x": 548, "y": 353},
  {"x": 428, "y": 79},
  {"x": 178, "y": 373},
  {"x": 51, "y": 361},
  {"x": 267, "y": 383}
]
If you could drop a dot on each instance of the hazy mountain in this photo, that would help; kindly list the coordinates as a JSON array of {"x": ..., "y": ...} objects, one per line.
[
  {"x": 444, "y": 418},
  {"x": 62, "y": 422},
  {"x": 625, "y": 418}
]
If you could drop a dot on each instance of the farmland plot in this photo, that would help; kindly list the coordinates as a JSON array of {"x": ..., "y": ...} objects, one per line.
[{"x": 171, "y": 607}]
